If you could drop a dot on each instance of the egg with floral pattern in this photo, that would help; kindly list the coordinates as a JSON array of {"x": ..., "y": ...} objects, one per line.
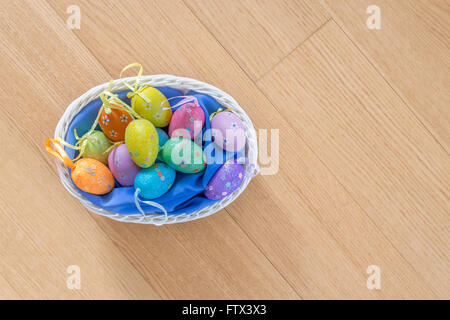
[
  {"x": 225, "y": 181},
  {"x": 150, "y": 107},
  {"x": 228, "y": 131},
  {"x": 95, "y": 146},
  {"x": 92, "y": 176},
  {"x": 184, "y": 155},
  {"x": 187, "y": 121},
  {"x": 114, "y": 123},
  {"x": 155, "y": 181},
  {"x": 122, "y": 166},
  {"x": 141, "y": 140}
]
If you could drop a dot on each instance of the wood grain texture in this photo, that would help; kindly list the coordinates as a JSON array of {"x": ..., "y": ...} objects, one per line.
[
  {"x": 259, "y": 33},
  {"x": 291, "y": 241},
  {"x": 373, "y": 144},
  {"x": 361, "y": 181},
  {"x": 43, "y": 229},
  {"x": 411, "y": 51},
  {"x": 43, "y": 66},
  {"x": 340, "y": 276}
]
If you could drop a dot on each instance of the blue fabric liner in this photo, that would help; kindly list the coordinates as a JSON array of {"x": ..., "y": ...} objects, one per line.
[{"x": 186, "y": 195}]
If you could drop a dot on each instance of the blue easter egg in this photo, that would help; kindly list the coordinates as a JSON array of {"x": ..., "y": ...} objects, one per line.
[
  {"x": 154, "y": 181},
  {"x": 163, "y": 137}
]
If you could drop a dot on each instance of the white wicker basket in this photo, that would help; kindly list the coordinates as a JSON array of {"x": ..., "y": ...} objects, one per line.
[{"x": 183, "y": 84}]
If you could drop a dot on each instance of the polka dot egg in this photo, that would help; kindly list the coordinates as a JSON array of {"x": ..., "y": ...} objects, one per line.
[
  {"x": 92, "y": 176},
  {"x": 184, "y": 155},
  {"x": 155, "y": 181},
  {"x": 225, "y": 181},
  {"x": 96, "y": 145},
  {"x": 228, "y": 131},
  {"x": 187, "y": 121},
  {"x": 122, "y": 166},
  {"x": 141, "y": 140}
]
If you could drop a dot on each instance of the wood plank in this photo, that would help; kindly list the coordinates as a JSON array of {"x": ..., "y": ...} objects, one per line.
[
  {"x": 6, "y": 291},
  {"x": 44, "y": 232},
  {"x": 302, "y": 218},
  {"x": 372, "y": 143},
  {"x": 57, "y": 230},
  {"x": 411, "y": 50},
  {"x": 258, "y": 34}
]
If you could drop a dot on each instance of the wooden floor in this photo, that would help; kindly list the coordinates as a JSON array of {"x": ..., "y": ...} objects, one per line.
[{"x": 364, "y": 119}]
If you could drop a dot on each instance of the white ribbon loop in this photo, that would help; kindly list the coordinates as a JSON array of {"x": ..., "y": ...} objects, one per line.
[
  {"x": 186, "y": 99},
  {"x": 150, "y": 203}
]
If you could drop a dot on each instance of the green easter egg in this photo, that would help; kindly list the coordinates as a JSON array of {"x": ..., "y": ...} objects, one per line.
[
  {"x": 141, "y": 140},
  {"x": 96, "y": 145},
  {"x": 184, "y": 155}
]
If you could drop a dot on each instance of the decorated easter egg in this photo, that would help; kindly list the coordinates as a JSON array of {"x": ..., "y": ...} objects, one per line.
[
  {"x": 122, "y": 166},
  {"x": 225, "y": 181},
  {"x": 162, "y": 138},
  {"x": 152, "y": 110},
  {"x": 187, "y": 121},
  {"x": 92, "y": 176},
  {"x": 184, "y": 155},
  {"x": 155, "y": 181},
  {"x": 228, "y": 131},
  {"x": 141, "y": 140},
  {"x": 114, "y": 122},
  {"x": 96, "y": 145}
]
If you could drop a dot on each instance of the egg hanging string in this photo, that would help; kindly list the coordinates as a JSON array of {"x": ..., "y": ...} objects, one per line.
[
  {"x": 185, "y": 100},
  {"x": 118, "y": 104},
  {"x": 137, "y": 88},
  {"x": 150, "y": 203},
  {"x": 58, "y": 151},
  {"x": 110, "y": 101},
  {"x": 218, "y": 111}
]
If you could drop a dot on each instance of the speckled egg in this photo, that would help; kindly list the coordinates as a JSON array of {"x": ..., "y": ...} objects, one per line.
[
  {"x": 228, "y": 131},
  {"x": 122, "y": 166},
  {"x": 95, "y": 146},
  {"x": 187, "y": 121},
  {"x": 92, "y": 176},
  {"x": 225, "y": 181},
  {"x": 155, "y": 181},
  {"x": 152, "y": 110},
  {"x": 184, "y": 155},
  {"x": 114, "y": 123},
  {"x": 162, "y": 138},
  {"x": 141, "y": 140}
]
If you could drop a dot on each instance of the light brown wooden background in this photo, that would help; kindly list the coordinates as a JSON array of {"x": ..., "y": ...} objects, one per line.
[{"x": 364, "y": 163}]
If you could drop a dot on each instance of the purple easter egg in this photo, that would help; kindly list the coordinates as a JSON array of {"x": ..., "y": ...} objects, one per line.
[
  {"x": 225, "y": 181},
  {"x": 187, "y": 121},
  {"x": 122, "y": 166},
  {"x": 228, "y": 131}
]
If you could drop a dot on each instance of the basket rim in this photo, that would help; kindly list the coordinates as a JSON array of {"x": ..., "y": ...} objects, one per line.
[{"x": 183, "y": 84}]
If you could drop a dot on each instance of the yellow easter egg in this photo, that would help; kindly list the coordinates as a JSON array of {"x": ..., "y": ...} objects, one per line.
[
  {"x": 142, "y": 141},
  {"x": 152, "y": 110}
]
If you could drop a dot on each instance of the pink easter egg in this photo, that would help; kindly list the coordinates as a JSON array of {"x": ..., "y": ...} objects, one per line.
[
  {"x": 228, "y": 131},
  {"x": 122, "y": 166},
  {"x": 187, "y": 121}
]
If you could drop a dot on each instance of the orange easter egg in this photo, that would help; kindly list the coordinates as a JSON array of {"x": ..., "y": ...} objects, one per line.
[
  {"x": 114, "y": 123},
  {"x": 92, "y": 176}
]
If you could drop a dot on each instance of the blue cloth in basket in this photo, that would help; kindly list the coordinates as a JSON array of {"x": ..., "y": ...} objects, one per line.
[{"x": 186, "y": 195}]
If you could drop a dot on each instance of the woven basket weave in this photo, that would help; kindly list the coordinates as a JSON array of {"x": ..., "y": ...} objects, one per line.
[{"x": 184, "y": 85}]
